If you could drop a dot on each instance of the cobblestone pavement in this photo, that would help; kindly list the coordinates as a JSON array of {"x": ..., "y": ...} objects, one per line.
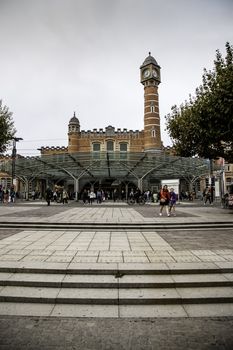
[{"x": 37, "y": 333}]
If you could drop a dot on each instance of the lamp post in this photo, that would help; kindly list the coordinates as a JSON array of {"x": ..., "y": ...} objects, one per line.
[{"x": 13, "y": 156}]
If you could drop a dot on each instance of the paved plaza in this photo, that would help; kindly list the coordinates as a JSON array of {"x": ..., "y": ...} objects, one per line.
[
  {"x": 71, "y": 326},
  {"x": 115, "y": 246}
]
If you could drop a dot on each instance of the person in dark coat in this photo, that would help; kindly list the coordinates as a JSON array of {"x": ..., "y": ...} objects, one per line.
[{"x": 48, "y": 195}]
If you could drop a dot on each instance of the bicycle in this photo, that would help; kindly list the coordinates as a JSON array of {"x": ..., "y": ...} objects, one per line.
[{"x": 140, "y": 201}]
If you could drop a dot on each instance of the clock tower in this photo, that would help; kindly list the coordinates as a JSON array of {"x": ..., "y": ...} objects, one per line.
[{"x": 150, "y": 78}]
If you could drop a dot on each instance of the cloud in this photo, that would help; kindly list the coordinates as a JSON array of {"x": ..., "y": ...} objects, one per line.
[{"x": 65, "y": 55}]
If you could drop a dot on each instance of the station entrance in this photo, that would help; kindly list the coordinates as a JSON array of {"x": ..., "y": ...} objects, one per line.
[{"x": 108, "y": 170}]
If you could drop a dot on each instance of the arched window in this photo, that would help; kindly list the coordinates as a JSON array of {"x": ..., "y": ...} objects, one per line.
[
  {"x": 110, "y": 146},
  {"x": 153, "y": 133},
  {"x": 123, "y": 150},
  {"x": 96, "y": 147},
  {"x": 152, "y": 107},
  {"x": 123, "y": 147},
  {"x": 96, "y": 150}
]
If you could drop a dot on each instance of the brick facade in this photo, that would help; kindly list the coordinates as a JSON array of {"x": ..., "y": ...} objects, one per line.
[{"x": 121, "y": 140}]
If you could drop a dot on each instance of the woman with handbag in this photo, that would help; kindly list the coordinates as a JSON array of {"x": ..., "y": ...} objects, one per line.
[{"x": 164, "y": 200}]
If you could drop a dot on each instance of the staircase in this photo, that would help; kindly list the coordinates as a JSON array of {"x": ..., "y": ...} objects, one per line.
[
  {"x": 102, "y": 290},
  {"x": 116, "y": 226}
]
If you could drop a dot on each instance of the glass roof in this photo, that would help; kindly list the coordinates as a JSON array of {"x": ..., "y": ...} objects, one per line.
[{"x": 119, "y": 165}]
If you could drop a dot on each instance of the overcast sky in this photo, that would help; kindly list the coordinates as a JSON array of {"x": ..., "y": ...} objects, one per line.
[{"x": 61, "y": 56}]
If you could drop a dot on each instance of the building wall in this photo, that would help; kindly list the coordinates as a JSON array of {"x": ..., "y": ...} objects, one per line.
[{"x": 83, "y": 141}]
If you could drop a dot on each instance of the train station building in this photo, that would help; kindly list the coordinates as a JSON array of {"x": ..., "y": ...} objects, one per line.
[{"x": 110, "y": 158}]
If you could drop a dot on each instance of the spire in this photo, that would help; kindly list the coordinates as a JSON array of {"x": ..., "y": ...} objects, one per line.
[
  {"x": 74, "y": 120},
  {"x": 149, "y": 60}
]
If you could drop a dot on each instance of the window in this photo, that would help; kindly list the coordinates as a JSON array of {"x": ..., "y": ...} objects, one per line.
[
  {"x": 123, "y": 150},
  {"x": 96, "y": 150},
  {"x": 228, "y": 180},
  {"x": 153, "y": 133},
  {"x": 123, "y": 147},
  {"x": 110, "y": 146},
  {"x": 152, "y": 107},
  {"x": 96, "y": 147}
]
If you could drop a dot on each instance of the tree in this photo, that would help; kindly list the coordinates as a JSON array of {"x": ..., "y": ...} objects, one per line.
[
  {"x": 7, "y": 129},
  {"x": 203, "y": 125}
]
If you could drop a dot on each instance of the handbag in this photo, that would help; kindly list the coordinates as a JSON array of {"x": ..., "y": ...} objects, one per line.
[{"x": 162, "y": 200}]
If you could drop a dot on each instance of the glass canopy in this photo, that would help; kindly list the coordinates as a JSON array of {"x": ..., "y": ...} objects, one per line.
[{"x": 123, "y": 166}]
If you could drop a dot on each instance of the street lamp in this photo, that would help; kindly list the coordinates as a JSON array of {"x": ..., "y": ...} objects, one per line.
[{"x": 13, "y": 156}]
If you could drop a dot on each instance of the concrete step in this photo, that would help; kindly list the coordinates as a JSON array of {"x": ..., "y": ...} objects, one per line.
[
  {"x": 44, "y": 280},
  {"x": 117, "y": 269},
  {"x": 164, "y": 290},
  {"x": 115, "y": 226},
  {"x": 113, "y": 296},
  {"x": 116, "y": 311}
]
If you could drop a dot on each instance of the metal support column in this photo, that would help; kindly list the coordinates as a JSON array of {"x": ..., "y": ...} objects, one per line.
[{"x": 76, "y": 188}]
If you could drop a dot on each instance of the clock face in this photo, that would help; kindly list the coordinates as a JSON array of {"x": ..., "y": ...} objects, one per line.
[
  {"x": 146, "y": 73},
  {"x": 155, "y": 74}
]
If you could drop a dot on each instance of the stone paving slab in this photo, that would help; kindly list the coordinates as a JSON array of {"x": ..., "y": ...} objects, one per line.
[
  {"x": 200, "y": 278},
  {"x": 125, "y": 214},
  {"x": 38, "y": 277},
  {"x": 146, "y": 311},
  {"x": 208, "y": 310},
  {"x": 25, "y": 309},
  {"x": 90, "y": 280},
  {"x": 145, "y": 279},
  {"x": 29, "y": 293},
  {"x": 101, "y": 247},
  {"x": 82, "y": 310},
  {"x": 87, "y": 295},
  {"x": 205, "y": 292},
  {"x": 146, "y": 295}
]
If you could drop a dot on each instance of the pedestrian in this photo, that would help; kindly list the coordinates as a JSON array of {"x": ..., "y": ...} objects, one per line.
[
  {"x": 85, "y": 196},
  {"x": 64, "y": 197},
  {"x": 12, "y": 194},
  {"x": 6, "y": 195},
  {"x": 99, "y": 196},
  {"x": 92, "y": 196},
  {"x": 208, "y": 196},
  {"x": 48, "y": 195},
  {"x": 164, "y": 200},
  {"x": 172, "y": 202},
  {"x": 1, "y": 194},
  {"x": 115, "y": 195},
  {"x": 55, "y": 196}
]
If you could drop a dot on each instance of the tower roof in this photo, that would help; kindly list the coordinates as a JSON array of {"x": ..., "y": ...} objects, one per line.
[
  {"x": 150, "y": 59},
  {"x": 74, "y": 120}
]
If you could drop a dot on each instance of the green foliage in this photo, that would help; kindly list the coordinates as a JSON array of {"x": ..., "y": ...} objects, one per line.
[
  {"x": 203, "y": 126},
  {"x": 7, "y": 130}
]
